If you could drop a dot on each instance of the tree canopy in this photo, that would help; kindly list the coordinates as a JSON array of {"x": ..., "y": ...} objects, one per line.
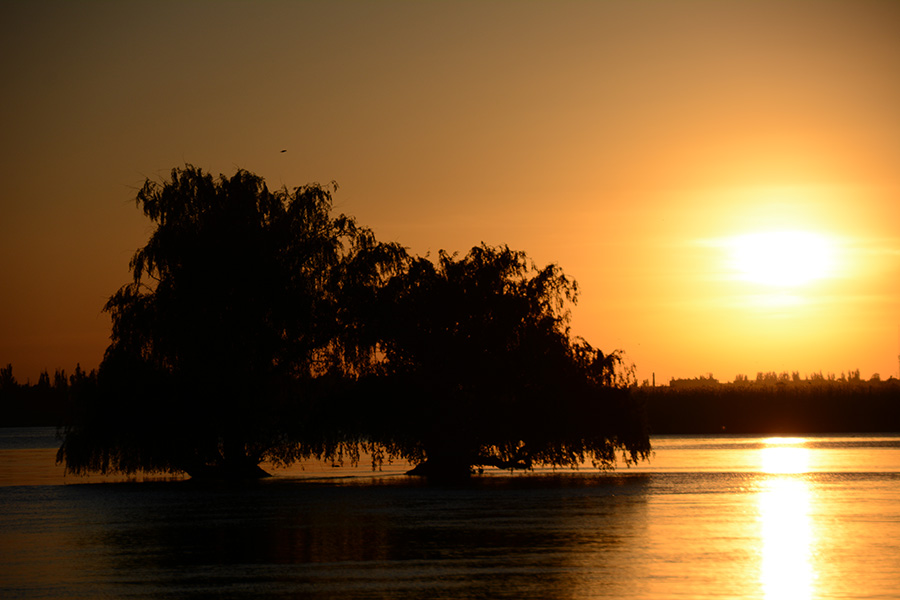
[
  {"x": 259, "y": 326},
  {"x": 480, "y": 370},
  {"x": 231, "y": 317}
]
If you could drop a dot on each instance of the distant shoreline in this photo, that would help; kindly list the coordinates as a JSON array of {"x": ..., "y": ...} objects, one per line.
[
  {"x": 778, "y": 408},
  {"x": 689, "y": 407}
]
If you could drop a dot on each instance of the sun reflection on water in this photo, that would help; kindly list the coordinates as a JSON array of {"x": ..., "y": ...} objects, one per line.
[
  {"x": 783, "y": 459},
  {"x": 787, "y": 568}
]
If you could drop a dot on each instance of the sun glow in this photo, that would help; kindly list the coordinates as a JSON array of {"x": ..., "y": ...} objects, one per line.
[{"x": 782, "y": 258}]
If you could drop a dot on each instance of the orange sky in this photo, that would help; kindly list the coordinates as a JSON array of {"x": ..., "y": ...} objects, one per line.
[{"x": 626, "y": 141}]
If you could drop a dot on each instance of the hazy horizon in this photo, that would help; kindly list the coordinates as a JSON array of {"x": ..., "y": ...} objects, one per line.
[{"x": 720, "y": 178}]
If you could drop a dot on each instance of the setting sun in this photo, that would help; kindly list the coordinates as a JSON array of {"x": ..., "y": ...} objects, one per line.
[{"x": 782, "y": 258}]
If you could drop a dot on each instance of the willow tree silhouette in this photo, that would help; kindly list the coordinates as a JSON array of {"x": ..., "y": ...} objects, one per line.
[
  {"x": 259, "y": 327},
  {"x": 480, "y": 370},
  {"x": 236, "y": 317}
]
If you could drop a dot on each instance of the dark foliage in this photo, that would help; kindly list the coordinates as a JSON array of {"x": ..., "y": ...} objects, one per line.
[
  {"x": 232, "y": 315},
  {"x": 260, "y": 327},
  {"x": 479, "y": 370}
]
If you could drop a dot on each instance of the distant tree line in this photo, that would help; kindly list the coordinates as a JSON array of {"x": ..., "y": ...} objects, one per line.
[
  {"x": 771, "y": 403},
  {"x": 258, "y": 326},
  {"x": 45, "y": 403},
  {"x": 772, "y": 377},
  {"x": 774, "y": 403}
]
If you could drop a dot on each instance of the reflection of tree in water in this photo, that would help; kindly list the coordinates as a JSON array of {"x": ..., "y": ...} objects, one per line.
[{"x": 547, "y": 537}]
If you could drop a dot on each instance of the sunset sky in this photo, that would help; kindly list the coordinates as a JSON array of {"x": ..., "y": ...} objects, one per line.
[{"x": 721, "y": 178}]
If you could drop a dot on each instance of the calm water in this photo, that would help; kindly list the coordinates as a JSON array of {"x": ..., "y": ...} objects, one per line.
[{"x": 710, "y": 517}]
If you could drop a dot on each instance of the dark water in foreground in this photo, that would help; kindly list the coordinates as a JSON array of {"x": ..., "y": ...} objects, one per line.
[{"x": 714, "y": 517}]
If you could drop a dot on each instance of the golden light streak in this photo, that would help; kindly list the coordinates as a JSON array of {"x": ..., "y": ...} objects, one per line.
[{"x": 787, "y": 570}]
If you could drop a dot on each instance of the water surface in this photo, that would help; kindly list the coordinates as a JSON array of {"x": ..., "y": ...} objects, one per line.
[{"x": 709, "y": 517}]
